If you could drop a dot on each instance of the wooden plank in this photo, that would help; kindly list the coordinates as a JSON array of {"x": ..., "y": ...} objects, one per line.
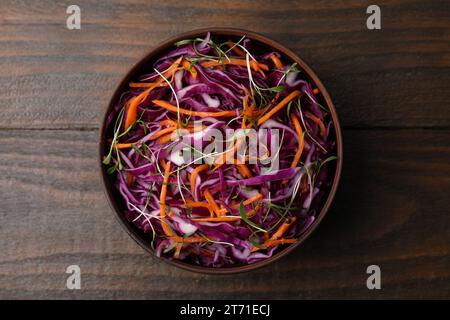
[
  {"x": 391, "y": 210},
  {"x": 396, "y": 77}
]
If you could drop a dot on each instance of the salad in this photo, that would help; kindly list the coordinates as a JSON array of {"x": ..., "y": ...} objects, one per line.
[{"x": 221, "y": 152}]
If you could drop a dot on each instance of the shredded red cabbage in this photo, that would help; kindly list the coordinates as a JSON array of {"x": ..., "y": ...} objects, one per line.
[{"x": 204, "y": 211}]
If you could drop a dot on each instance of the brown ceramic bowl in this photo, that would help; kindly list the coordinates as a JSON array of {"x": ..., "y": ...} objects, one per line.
[{"x": 261, "y": 41}]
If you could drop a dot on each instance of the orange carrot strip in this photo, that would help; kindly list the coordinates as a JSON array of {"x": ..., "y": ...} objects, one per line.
[
  {"x": 223, "y": 158},
  {"x": 162, "y": 164},
  {"x": 194, "y": 239},
  {"x": 143, "y": 84},
  {"x": 133, "y": 104},
  {"x": 162, "y": 201},
  {"x": 168, "y": 123},
  {"x": 256, "y": 66},
  {"x": 164, "y": 139},
  {"x": 189, "y": 67},
  {"x": 123, "y": 145},
  {"x": 263, "y": 66},
  {"x": 162, "y": 132},
  {"x": 317, "y": 121},
  {"x": 178, "y": 247},
  {"x": 175, "y": 135},
  {"x": 130, "y": 179},
  {"x": 236, "y": 49},
  {"x": 252, "y": 213},
  {"x": 224, "y": 218},
  {"x": 250, "y": 200},
  {"x": 217, "y": 219},
  {"x": 194, "y": 175},
  {"x": 155, "y": 136},
  {"x": 197, "y": 204},
  {"x": 279, "y": 106},
  {"x": 300, "y": 139},
  {"x": 283, "y": 228},
  {"x": 212, "y": 203},
  {"x": 271, "y": 243},
  {"x": 276, "y": 61},
  {"x": 301, "y": 142},
  {"x": 244, "y": 171},
  {"x": 201, "y": 114},
  {"x": 194, "y": 204},
  {"x": 275, "y": 238},
  {"x": 315, "y": 91}
]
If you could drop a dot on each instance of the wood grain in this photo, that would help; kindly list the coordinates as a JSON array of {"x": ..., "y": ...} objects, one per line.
[
  {"x": 54, "y": 214},
  {"x": 395, "y": 77},
  {"x": 391, "y": 89}
]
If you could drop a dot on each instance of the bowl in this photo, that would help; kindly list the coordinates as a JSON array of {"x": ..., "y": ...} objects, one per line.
[{"x": 262, "y": 41}]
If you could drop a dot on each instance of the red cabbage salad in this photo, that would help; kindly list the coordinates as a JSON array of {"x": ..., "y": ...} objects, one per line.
[{"x": 221, "y": 152}]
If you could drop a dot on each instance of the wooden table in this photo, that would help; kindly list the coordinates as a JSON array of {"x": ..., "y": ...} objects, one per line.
[{"x": 392, "y": 91}]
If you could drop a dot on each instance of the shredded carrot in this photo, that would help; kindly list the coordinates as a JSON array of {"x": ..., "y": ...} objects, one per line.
[
  {"x": 263, "y": 66},
  {"x": 168, "y": 123},
  {"x": 134, "y": 103},
  {"x": 279, "y": 106},
  {"x": 175, "y": 133},
  {"x": 162, "y": 200},
  {"x": 271, "y": 243},
  {"x": 224, "y": 218},
  {"x": 164, "y": 139},
  {"x": 162, "y": 132},
  {"x": 276, "y": 61},
  {"x": 193, "y": 239},
  {"x": 265, "y": 109},
  {"x": 197, "y": 204},
  {"x": 123, "y": 145},
  {"x": 247, "y": 112},
  {"x": 162, "y": 164},
  {"x": 178, "y": 247},
  {"x": 276, "y": 239},
  {"x": 194, "y": 175},
  {"x": 212, "y": 203},
  {"x": 189, "y": 67},
  {"x": 317, "y": 121},
  {"x": 236, "y": 49},
  {"x": 217, "y": 219},
  {"x": 283, "y": 228},
  {"x": 300, "y": 138},
  {"x": 201, "y": 114},
  {"x": 144, "y": 84},
  {"x": 252, "y": 213},
  {"x": 244, "y": 171},
  {"x": 130, "y": 179},
  {"x": 250, "y": 200},
  {"x": 315, "y": 91},
  {"x": 256, "y": 66}
]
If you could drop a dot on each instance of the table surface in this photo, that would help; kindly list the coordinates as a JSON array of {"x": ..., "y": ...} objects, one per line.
[{"x": 391, "y": 89}]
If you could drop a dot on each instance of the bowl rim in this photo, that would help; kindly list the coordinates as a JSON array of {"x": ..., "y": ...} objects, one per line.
[{"x": 156, "y": 50}]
